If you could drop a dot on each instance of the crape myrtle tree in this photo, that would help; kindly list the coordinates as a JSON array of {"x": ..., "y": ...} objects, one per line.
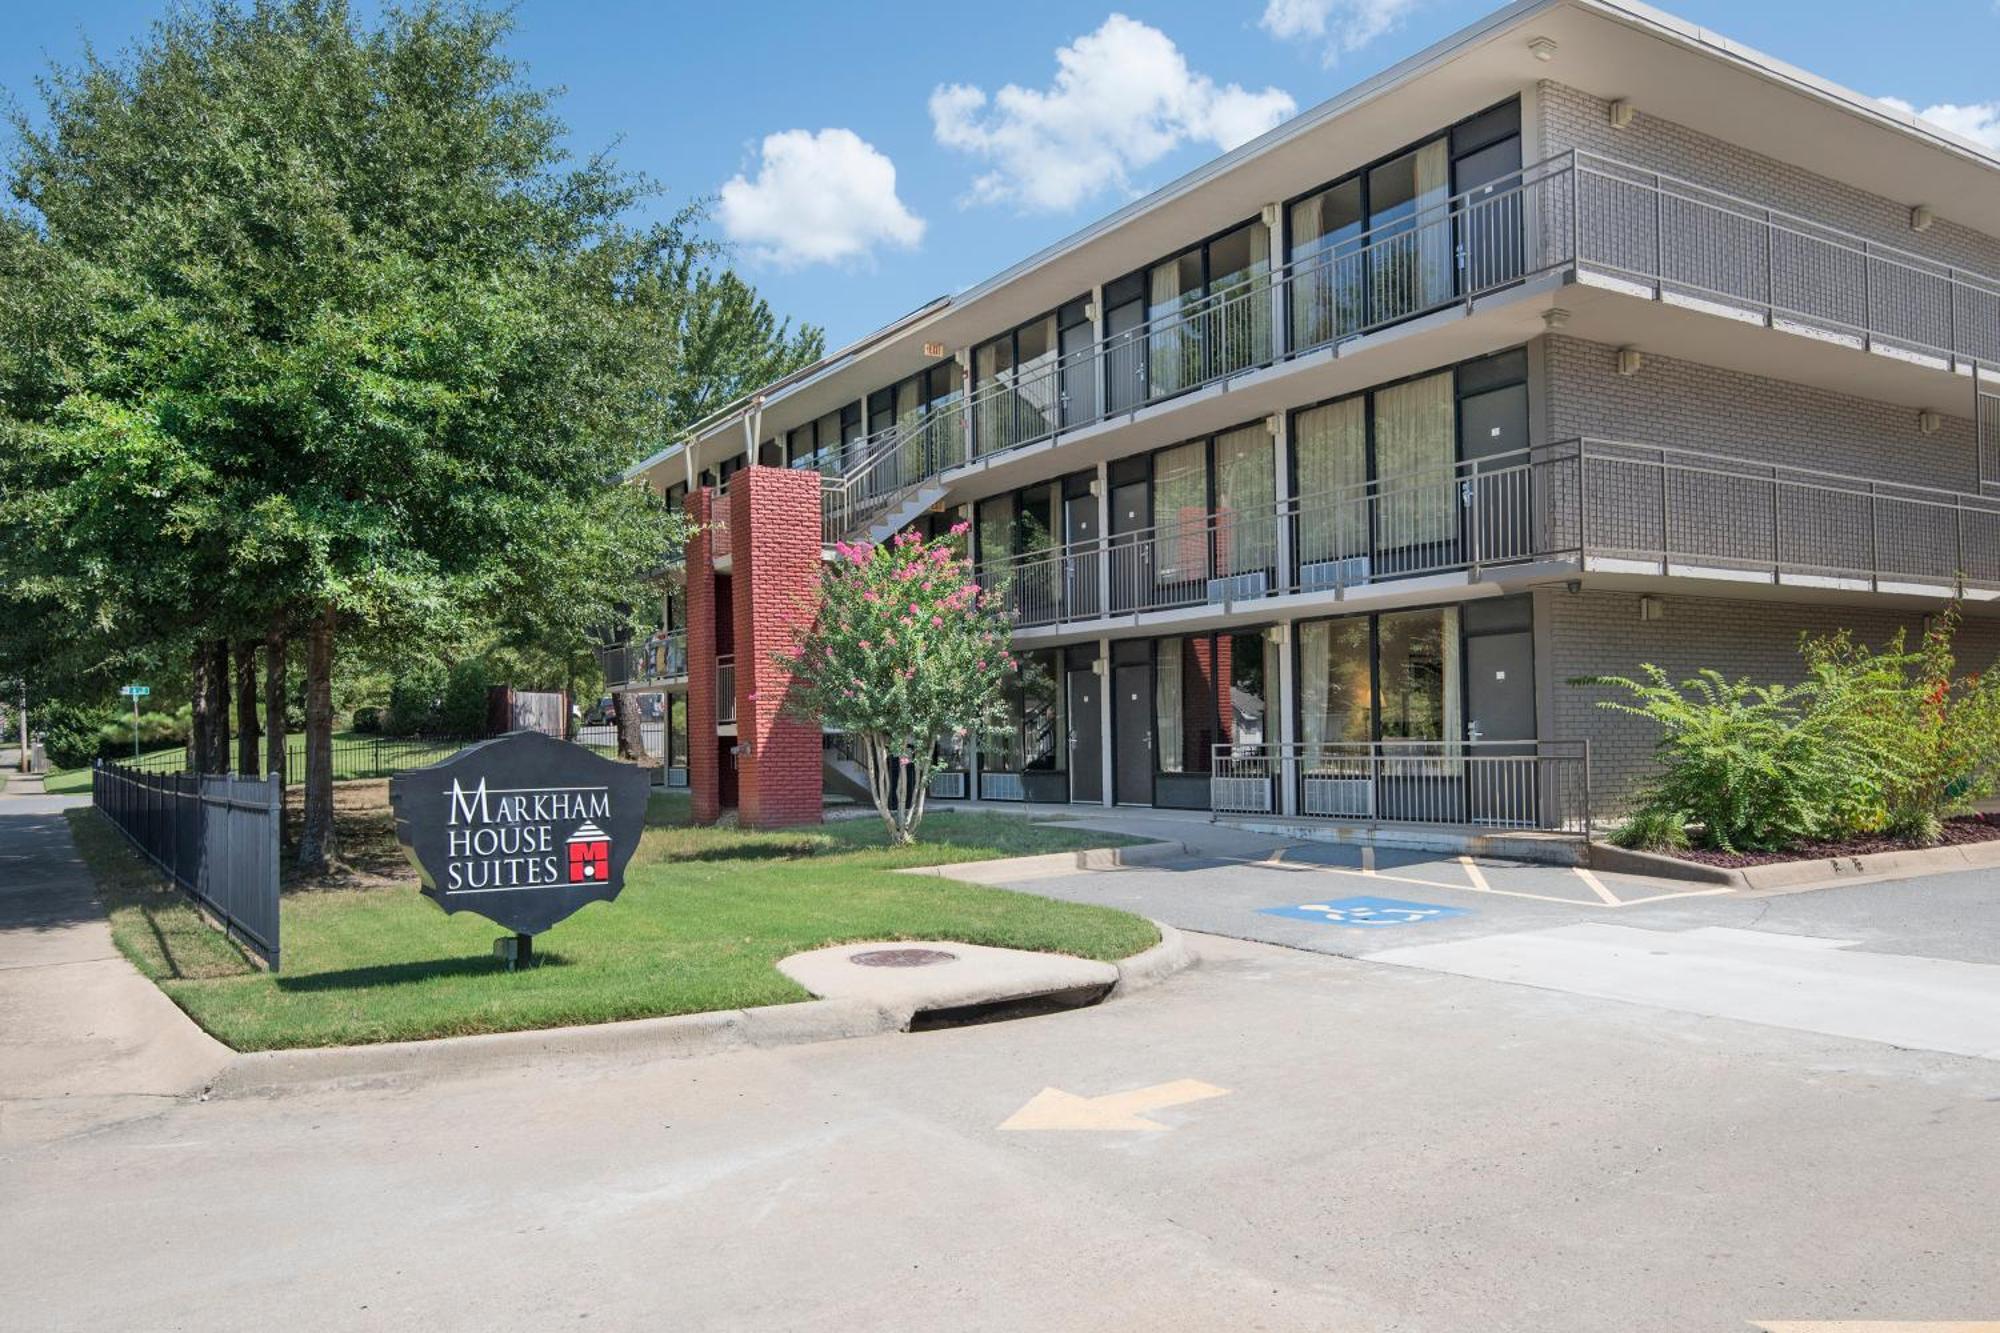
[
  {"x": 905, "y": 653},
  {"x": 315, "y": 333}
]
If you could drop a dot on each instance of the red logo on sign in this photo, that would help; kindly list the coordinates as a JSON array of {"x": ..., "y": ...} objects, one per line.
[{"x": 589, "y": 855}]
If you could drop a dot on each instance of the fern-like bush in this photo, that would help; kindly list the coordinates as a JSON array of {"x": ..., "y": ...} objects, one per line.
[{"x": 1753, "y": 767}]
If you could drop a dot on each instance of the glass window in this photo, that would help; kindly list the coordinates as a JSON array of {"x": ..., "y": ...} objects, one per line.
[
  {"x": 1414, "y": 457},
  {"x": 1247, "y": 701},
  {"x": 1180, "y": 512},
  {"x": 996, "y": 531},
  {"x": 1330, "y": 450},
  {"x": 1419, "y": 675},
  {"x": 1246, "y": 498},
  {"x": 677, "y": 731},
  {"x": 1169, "y": 705},
  {"x": 1043, "y": 726},
  {"x": 1325, "y": 239},
  {"x": 1410, "y": 249},
  {"x": 1336, "y": 689}
]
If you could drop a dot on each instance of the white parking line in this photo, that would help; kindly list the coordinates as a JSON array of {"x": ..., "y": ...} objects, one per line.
[
  {"x": 1596, "y": 886},
  {"x": 1478, "y": 884}
]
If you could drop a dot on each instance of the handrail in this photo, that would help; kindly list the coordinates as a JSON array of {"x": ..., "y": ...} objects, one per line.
[
  {"x": 1521, "y": 784},
  {"x": 1539, "y": 219},
  {"x": 1575, "y": 500}
]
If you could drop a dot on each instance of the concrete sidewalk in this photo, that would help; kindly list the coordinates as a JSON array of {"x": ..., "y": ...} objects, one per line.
[{"x": 84, "y": 1039}]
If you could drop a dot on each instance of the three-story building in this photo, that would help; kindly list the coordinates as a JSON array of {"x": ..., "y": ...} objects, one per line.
[{"x": 1582, "y": 339}]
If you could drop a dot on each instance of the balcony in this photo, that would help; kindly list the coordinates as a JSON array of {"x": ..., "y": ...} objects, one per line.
[
  {"x": 659, "y": 661},
  {"x": 725, "y": 690},
  {"x": 1578, "y": 216},
  {"x": 1523, "y": 785},
  {"x": 1596, "y": 505}
]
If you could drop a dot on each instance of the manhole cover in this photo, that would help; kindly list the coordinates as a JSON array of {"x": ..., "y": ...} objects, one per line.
[{"x": 903, "y": 958}]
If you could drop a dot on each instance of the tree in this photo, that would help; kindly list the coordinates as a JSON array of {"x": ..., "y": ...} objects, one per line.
[
  {"x": 316, "y": 327},
  {"x": 904, "y": 652}
]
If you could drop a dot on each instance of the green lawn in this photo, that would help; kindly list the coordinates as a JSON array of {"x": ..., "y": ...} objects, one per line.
[
  {"x": 704, "y": 916},
  {"x": 354, "y": 756}
]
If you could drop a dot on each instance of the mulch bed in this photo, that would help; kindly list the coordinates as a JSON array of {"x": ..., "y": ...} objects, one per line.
[{"x": 1957, "y": 832}]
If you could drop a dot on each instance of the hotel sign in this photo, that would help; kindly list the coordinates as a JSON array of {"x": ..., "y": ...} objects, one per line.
[{"x": 523, "y": 829}]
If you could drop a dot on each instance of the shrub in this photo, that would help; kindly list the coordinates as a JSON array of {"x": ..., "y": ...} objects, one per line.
[
  {"x": 1650, "y": 829},
  {"x": 1924, "y": 741},
  {"x": 905, "y": 654},
  {"x": 71, "y": 733},
  {"x": 462, "y": 710},
  {"x": 368, "y": 719},
  {"x": 415, "y": 698},
  {"x": 1752, "y": 765}
]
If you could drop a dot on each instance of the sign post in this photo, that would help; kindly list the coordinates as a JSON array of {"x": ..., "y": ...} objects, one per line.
[
  {"x": 135, "y": 693},
  {"x": 524, "y": 830}
]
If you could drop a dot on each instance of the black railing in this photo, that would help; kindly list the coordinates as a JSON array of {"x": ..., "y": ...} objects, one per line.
[{"x": 213, "y": 835}]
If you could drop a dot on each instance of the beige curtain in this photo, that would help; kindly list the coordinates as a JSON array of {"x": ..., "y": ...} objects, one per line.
[
  {"x": 1246, "y": 495},
  {"x": 1331, "y": 446},
  {"x": 1434, "y": 249},
  {"x": 1180, "y": 513},
  {"x": 1168, "y": 709},
  {"x": 1413, "y": 459},
  {"x": 1166, "y": 371},
  {"x": 1336, "y": 698}
]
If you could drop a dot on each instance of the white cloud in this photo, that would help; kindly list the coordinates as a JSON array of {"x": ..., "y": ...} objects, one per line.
[
  {"x": 1122, "y": 99},
  {"x": 1344, "y": 25},
  {"x": 1979, "y": 122},
  {"x": 822, "y": 198}
]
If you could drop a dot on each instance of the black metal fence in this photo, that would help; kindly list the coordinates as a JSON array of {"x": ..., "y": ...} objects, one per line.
[
  {"x": 376, "y": 756},
  {"x": 214, "y": 835}
]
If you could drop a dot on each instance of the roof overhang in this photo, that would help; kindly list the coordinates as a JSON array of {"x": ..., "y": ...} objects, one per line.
[{"x": 1666, "y": 67}]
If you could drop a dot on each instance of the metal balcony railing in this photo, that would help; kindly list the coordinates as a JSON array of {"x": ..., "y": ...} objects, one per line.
[
  {"x": 659, "y": 659},
  {"x": 1602, "y": 504},
  {"x": 1670, "y": 239},
  {"x": 725, "y": 688},
  {"x": 1541, "y": 785}
]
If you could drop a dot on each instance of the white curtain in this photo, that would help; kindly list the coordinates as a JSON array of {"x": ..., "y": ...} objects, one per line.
[
  {"x": 1413, "y": 459},
  {"x": 1166, "y": 346},
  {"x": 1246, "y": 494},
  {"x": 1331, "y": 446},
  {"x": 1434, "y": 250},
  {"x": 1167, "y": 705},
  {"x": 1180, "y": 513}
]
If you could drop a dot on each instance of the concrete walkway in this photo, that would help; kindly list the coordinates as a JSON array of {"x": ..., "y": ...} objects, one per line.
[{"x": 84, "y": 1039}]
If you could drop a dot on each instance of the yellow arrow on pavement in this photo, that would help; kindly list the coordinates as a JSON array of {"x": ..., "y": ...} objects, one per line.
[{"x": 1052, "y": 1108}]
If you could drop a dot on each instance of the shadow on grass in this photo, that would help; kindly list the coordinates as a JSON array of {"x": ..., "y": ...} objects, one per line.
[
  {"x": 801, "y": 850},
  {"x": 405, "y": 974}
]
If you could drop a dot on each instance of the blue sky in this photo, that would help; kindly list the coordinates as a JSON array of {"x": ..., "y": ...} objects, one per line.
[{"x": 863, "y": 158}]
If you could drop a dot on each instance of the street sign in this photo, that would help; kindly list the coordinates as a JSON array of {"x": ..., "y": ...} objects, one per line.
[
  {"x": 136, "y": 691},
  {"x": 523, "y": 830}
]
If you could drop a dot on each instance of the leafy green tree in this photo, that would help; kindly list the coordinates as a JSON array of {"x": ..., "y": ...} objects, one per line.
[
  {"x": 312, "y": 331},
  {"x": 906, "y": 653}
]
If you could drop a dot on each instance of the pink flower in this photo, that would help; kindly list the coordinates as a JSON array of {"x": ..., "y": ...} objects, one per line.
[
  {"x": 937, "y": 622},
  {"x": 959, "y": 529},
  {"x": 866, "y": 646}
]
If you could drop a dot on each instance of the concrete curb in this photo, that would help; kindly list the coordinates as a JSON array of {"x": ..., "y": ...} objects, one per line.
[
  {"x": 1625, "y": 861},
  {"x": 1053, "y": 863},
  {"x": 680, "y": 1036},
  {"x": 1154, "y": 965},
  {"x": 273, "y": 1073},
  {"x": 1798, "y": 876}
]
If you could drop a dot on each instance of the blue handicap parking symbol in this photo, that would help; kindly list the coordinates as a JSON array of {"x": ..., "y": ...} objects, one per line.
[{"x": 1366, "y": 911}]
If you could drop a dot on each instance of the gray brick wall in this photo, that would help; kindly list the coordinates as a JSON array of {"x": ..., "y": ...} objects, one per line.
[
  {"x": 1571, "y": 118},
  {"x": 1594, "y": 633},
  {"x": 1707, "y": 408}
]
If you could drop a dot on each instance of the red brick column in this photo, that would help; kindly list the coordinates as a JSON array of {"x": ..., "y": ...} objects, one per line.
[
  {"x": 774, "y": 521},
  {"x": 704, "y": 763}
]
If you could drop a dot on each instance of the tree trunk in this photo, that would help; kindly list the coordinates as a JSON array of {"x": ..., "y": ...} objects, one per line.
[
  {"x": 317, "y": 842},
  {"x": 631, "y": 727},
  {"x": 201, "y": 676},
  {"x": 274, "y": 700},
  {"x": 218, "y": 682},
  {"x": 247, "y": 732}
]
